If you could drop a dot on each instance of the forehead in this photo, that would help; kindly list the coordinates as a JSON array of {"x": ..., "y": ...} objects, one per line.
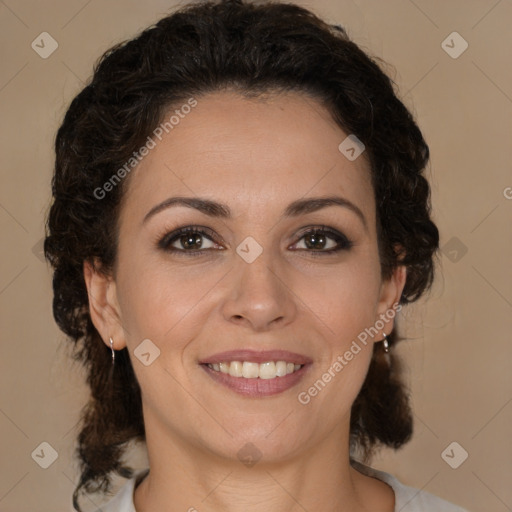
[{"x": 251, "y": 153}]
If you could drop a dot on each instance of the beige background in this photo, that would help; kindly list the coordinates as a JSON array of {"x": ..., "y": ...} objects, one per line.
[{"x": 460, "y": 352}]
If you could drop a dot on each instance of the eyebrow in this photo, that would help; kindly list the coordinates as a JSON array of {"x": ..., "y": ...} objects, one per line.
[{"x": 219, "y": 210}]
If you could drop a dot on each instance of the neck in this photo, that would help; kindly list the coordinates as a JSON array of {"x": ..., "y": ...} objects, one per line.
[{"x": 188, "y": 477}]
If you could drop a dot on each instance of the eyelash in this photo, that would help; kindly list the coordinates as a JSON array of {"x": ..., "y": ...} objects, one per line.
[{"x": 343, "y": 243}]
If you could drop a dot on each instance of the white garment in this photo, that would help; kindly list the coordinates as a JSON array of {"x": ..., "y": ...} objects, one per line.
[{"x": 407, "y": 499}]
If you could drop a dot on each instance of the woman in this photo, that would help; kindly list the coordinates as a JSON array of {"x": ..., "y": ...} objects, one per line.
[{"x": 239, "y": 213}]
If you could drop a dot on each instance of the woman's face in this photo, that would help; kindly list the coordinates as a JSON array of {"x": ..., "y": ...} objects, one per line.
[{"x": 252, "y": 275}]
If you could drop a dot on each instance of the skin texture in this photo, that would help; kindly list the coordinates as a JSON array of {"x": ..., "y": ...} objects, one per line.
[{"x": 256, "y": 156}]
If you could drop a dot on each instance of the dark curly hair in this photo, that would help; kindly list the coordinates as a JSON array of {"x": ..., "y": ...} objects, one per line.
[{"x": 252, "y": 49}]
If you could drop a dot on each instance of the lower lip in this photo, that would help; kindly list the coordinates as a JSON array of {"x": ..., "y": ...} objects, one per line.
[{"x": 257, "y": 387}]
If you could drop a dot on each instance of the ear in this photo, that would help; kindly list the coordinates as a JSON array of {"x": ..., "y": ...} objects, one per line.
[
  {"x": 103, "y": 304},
  {"x": 388, "y": 305}
]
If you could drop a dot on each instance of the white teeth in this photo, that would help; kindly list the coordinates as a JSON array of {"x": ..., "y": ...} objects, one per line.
[
  {"x": 268, "y": 370},
  {"x": 281, "y": 368},
  {"x": 250, "y": 370},
  {"x": 235, "y": 369}
]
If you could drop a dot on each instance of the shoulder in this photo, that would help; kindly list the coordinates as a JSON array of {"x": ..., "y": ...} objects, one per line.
[
  {"x": 123, "y": 500},
  {"x": 409, "y": 499}
]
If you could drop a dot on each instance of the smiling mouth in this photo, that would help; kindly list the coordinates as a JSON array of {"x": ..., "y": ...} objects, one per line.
[
  {"x": 252, "y": 370},
  {"x": 257, "y": 380}
]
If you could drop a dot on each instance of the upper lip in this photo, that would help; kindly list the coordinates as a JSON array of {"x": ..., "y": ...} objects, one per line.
[{"x": 256, "y": 356}]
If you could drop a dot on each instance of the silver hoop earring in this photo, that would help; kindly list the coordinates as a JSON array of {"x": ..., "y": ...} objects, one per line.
[
  {"x": 113, "y": 353},
  {"x": 385, "y": 343}
]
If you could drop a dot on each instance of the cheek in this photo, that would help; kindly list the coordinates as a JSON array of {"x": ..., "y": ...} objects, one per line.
[
  {"x": 156, "y": 297},
  {"x": 344, "y": 298},
  {"x": 344, "y": 306}
]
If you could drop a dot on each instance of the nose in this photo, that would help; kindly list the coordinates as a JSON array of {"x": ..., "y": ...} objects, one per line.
[{"x": 259, "y": 295}]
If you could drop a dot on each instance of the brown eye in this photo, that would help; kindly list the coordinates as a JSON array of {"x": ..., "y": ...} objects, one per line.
[
  {"x": 316, "y": 241},
  {"x": 322, "y": 240},
  {"x": 189, "y": 240}
]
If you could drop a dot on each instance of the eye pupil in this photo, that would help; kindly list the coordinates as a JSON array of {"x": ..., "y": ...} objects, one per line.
[
  {"x": 191, "y": 241},
  {"x": 315, "y": 241}
]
